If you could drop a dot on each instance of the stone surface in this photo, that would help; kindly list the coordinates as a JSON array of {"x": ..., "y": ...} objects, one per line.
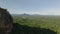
[{"x": 5, "y": 21}]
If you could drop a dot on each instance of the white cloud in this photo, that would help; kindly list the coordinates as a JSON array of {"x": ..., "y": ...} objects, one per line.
[{"x": 52, "y": 11}]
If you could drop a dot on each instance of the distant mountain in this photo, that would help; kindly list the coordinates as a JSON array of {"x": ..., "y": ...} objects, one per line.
[
  {"x": 20, "y": 14},
  {"x": 25, "y": 14}
]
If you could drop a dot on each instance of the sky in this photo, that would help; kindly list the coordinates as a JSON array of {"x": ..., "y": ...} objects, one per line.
[{"x": 42, "y": 7}]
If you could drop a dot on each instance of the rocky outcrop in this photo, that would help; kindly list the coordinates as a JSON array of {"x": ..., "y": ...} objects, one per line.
[{"x": 5, "y": 21}]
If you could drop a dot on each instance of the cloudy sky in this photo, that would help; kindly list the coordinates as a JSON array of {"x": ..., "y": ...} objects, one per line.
[{"x": 43, "y": 7}]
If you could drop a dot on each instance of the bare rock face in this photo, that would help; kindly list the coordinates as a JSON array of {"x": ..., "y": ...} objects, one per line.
[{"x": 5, "y": 21}]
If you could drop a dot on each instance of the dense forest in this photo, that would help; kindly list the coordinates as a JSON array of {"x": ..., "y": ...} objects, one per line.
[{"x": 39, "y": 21}]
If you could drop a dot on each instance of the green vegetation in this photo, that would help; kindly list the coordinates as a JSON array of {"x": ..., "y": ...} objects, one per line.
[{"x": 48, "y": 22}]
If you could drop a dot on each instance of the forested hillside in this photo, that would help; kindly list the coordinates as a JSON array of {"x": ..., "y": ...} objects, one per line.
[{"x": 48, "y": 22}]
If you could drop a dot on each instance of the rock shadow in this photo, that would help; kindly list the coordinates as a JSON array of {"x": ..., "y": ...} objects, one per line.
[{"x": 23, "y": 29}]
